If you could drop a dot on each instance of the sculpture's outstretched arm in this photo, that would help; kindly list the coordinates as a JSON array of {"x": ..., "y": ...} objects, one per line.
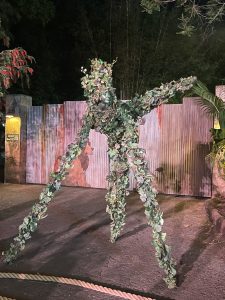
[
  {"x": 141, "y": 105},
  {"x": 148, "y": 197},
  {"x": 116, "y": 197},
  {"x": 39, "y": 209}
]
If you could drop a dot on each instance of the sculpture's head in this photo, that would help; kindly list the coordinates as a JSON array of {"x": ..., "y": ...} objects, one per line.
[{"x": 97, "y": 85}]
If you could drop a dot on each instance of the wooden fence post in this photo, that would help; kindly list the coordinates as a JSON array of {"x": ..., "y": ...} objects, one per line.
[{"x": 16, "y": 137}]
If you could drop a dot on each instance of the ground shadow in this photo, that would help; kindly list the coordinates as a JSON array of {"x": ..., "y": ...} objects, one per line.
[
  {"x": 205, "y": 236},
  {"x": 11, "y": 211},
  {"x": 179, "y": 207},
  {"x": 200, "y": 243}
]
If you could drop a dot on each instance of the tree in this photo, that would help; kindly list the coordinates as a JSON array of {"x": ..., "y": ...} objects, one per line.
[
  {"x": 12, "y": 11},
  {"x": 14, "y": 64},
  {"x": 23, "y": 23},
  {"x": 147, "y": 49},
  {"x": 193, "y": 14}
]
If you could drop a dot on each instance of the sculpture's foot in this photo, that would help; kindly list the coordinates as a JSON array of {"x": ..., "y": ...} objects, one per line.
[
  {"x": 114, "y": 237},
  {"x": 116, "y": 231},
  {"x": 113, "y": 240},
  {"x": 171, "y": 282}
]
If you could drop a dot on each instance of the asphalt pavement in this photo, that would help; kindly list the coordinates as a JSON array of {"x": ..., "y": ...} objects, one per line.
[{"x": 73, "y": 241}]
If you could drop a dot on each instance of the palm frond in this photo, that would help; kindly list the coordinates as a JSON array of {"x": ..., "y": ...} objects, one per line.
[{"x": 210, "y": 103}]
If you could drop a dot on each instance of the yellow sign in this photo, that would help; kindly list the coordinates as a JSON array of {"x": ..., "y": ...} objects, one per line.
[
  {"x": 12, "y": 126},
  {"x": 12, "y": 137},
  {"x": 12, "y": 148}
]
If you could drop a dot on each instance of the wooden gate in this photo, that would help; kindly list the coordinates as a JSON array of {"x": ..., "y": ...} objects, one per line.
[{"x": 176, "y": 138}]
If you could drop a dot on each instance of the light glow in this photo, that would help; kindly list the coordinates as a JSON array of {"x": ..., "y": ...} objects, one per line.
[
  {"x": 216, "y": 123},
  {"x": 12, "y": 125}
]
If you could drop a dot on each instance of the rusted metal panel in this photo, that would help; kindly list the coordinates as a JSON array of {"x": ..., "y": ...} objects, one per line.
[
  {"x": 34, "y": 145},
  {"x": 196, "y": 139},
  {"x": 170, "y": 151},
  {"x": 149, "y": 139},
  {"x": 53, "y": 138},
  {"x": 98, "y": 160},
  {"x": 91, "y": 167},
  {"x": 73, "y": 114},
  {"x": 176, "y": 138}
]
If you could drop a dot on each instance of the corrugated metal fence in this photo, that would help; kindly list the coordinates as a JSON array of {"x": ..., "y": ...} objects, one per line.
[{"x": 175, "y": 136}]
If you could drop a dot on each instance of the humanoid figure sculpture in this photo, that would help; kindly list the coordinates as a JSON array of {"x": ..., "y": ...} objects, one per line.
[{"x": 118, "y": 120}]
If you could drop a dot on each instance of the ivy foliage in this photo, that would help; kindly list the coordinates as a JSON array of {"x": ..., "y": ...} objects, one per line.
[{"x": 119, "y": 121}]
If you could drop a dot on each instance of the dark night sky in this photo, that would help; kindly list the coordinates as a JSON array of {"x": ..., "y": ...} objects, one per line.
[{"x": 147, "y": 48}]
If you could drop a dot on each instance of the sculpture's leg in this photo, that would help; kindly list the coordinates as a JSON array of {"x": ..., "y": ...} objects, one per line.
[
  {"x": 39, "y": 209},
  {"x": 152, "y": 212},
  {"x": 118, "y": 181}
]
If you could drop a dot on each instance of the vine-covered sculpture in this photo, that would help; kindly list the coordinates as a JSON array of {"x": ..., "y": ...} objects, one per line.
[{"x": 118, "y": 120}]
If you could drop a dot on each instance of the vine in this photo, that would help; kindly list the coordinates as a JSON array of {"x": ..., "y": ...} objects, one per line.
[{"x": 118, "y": 120}]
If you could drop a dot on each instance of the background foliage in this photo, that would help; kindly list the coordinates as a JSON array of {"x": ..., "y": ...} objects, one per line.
[
  {"x": 63, "y": 35},
  {"x": 194, "y": 14}
]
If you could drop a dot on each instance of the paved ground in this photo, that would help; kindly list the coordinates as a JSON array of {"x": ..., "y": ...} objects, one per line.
[
  {"x": 73, "y": 241},
  {"x": 215, "y": 208}
]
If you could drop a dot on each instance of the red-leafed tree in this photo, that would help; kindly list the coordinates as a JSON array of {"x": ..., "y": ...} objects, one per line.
[{"x": 14, "y": 64}]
